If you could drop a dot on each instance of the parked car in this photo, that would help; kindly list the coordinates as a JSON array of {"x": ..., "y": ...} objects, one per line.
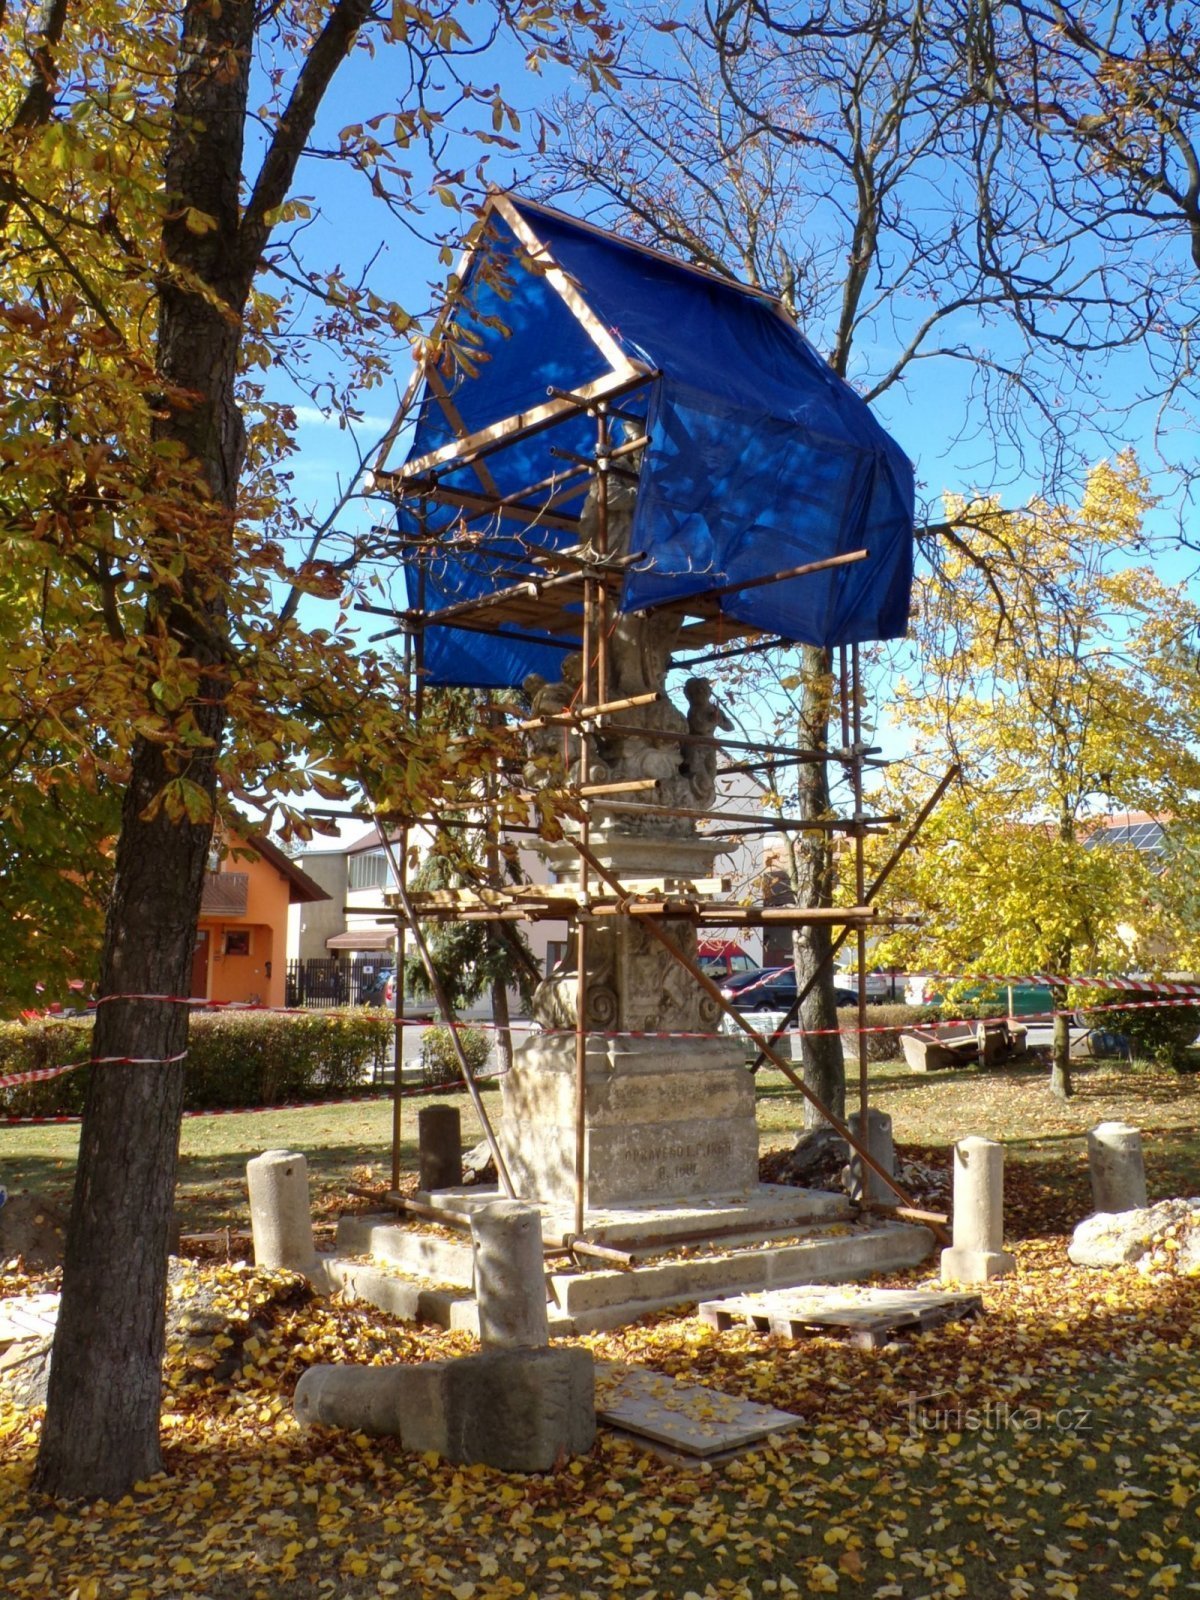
[
  {"x": 772, "y": 989},
  {"x": 882, "y": 987}
]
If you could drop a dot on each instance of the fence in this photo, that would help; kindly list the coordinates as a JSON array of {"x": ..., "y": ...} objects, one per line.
[{"x": 322, "y": 982}]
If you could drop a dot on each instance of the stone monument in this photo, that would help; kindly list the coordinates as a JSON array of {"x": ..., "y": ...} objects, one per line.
[{"x": 666, "y": 1118}]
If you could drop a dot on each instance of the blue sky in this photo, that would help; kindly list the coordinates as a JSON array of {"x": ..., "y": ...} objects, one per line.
[{"x": 350, "y": 229}]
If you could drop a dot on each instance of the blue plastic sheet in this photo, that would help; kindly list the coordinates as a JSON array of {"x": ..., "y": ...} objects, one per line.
[{"x": 759, "y": 457}]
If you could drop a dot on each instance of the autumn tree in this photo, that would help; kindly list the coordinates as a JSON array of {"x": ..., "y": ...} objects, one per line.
[
  {"x": 838, "y": 157},
  {"x": 151, "y": 269},
  {"x": 1055, "y": 713}
]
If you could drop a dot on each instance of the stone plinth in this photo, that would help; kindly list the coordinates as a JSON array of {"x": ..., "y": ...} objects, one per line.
[{"x": 665, "y": 1119}]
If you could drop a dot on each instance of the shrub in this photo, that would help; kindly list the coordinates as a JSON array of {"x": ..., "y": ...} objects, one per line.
[
  {"x": 1160, "y": 1034},
  {"x": 892, "y": 1019},
  {"x": 439, "y": 1062},
  {"x": 34, "y": 1046},
  {"x": 235, "y": 1058}
]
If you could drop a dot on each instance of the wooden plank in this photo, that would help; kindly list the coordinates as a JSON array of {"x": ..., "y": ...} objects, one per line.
[
  {"x": 454, "y": 418},
  {"x": 712, "y": 278},
  {"x": 869, "y": 1318},
  {"x": 564, "y": 286},
  {"x": 463, "y": 451}
]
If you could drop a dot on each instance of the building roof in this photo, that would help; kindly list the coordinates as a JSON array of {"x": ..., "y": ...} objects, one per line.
[{"x": 302, "y": 890}]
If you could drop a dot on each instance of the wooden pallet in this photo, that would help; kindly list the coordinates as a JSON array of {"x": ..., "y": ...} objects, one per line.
[{"x": 868, "y": 1318}]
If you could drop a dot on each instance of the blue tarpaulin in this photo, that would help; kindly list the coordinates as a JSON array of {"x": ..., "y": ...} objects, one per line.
[{"x": 759, "y": 458}]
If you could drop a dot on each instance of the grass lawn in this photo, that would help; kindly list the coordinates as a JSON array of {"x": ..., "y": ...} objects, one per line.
[
  {"x": 342, "y": 1141},
  {"x": 1051, "y": 1448}
]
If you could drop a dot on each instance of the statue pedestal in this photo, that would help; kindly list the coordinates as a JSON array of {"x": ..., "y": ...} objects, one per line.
[{"x": 664, "y": 1120}]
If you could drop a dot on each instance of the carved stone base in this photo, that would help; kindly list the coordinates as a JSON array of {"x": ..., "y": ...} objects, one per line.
[{"x": 665, "y": 1120}]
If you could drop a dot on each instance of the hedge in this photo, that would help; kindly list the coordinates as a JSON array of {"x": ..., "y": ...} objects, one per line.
[
  {"x": 439, "y": 1059},
  {"x": 235, "y": 1058},
  {"x": 1161, "y": 1034}
]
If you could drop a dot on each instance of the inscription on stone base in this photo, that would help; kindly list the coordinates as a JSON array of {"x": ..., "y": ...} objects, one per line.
[{"x": 661, "y": 1124}]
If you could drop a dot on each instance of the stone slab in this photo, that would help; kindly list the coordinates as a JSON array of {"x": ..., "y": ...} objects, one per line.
[
  {"x": 613, "y": 1300},
  {"x": 407, "y": 1246},
  {"x": 833, "y": 1255},
  {"x": 768, "y": 1208},
  {"x": 359, "y": 1280},
  {"x": 868, "y": 1317},
  {"x": 688, "y": 1417},
  {"x": 28, "y": 1317}
]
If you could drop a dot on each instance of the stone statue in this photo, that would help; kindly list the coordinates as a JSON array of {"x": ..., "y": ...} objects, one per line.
[{"x": 705, "y": 716}]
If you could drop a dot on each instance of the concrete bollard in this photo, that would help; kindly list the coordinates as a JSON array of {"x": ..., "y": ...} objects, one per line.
[
  {"x": 280, "y": 1218},
  {"x": 879, "y": 1142},
  {"x": 1115, "y": 1165},
  {"x": 978, "y": 1251},
  {"x": 439, "y": 1148},
  {"x": 510, "y": 1276}
]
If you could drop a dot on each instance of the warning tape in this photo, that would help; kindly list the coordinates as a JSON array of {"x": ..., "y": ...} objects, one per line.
[
  {"x": 39, "y": 1074},
  {"x": 1164, "y": 995},
  {"x": 1059, "y": 980}
]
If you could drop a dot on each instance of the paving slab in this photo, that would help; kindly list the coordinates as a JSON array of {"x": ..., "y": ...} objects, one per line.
[{"x": 687, "y": 1417}]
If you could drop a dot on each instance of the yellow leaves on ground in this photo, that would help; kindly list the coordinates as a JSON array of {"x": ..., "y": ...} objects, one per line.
[{"x": 1044, "y": 1450}]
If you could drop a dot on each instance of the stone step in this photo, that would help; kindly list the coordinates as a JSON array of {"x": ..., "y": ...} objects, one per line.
[
  {"x": 409, "y": 1247},
  {"x": 769, "y": 1207},
  {"x": 833, "y": 1255},
  {"x": 591, "y": 1302}
]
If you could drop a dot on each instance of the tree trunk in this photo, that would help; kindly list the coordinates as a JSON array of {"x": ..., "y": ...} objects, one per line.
[
  {"x": 1060, "y": 1060},
  {"x": 101, "y": 1429},
  {"x": 823, "y": 1067},
  {"x": 100, "y": 1435},
  {"x": 500, "y": 1016}
]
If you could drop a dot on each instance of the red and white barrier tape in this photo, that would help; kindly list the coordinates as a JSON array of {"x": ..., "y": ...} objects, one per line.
[
  {"x": 39, "y": 1074},
  {"x": 1050, "y": 980},
  {"x": 1165, "y": 995}
]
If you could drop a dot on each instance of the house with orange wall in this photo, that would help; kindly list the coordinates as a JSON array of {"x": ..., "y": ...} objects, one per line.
[{"x": 241, "y": 933}]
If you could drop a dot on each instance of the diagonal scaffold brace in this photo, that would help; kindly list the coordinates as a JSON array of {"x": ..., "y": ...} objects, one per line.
[{"x": 785, "y": 1066}]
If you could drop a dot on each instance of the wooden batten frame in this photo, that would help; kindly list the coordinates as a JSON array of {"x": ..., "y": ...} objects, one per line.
[
  {"x": 461, "y": 452},
  {"x": 564, "y": 286}
]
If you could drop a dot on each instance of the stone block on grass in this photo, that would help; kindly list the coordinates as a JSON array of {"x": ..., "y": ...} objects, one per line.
[{"x": 517, "y": 1410}]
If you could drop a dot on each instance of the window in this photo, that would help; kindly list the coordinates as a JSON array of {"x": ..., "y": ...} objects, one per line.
[
  {"x": 369, "y": 870},
  {"x": 556, "y": 951},
  {"x": 237, "y": 942}
]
